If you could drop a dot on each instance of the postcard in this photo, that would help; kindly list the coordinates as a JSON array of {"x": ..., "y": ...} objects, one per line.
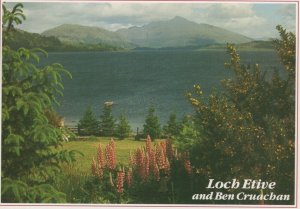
[{"x": 150, "y": 104}]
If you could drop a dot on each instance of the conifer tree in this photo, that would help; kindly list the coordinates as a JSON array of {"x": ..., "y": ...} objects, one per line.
[
  {"x": 88, "y": 125},
  {"x": 107, "y": 121},
  {"x": 152, "y": 125},
  {"x": 123, "y": 127},
  {"x": 171, "y": 129}
]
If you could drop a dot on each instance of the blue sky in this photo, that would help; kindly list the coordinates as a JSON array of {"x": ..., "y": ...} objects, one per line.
[{"x": 250, "y": 19}]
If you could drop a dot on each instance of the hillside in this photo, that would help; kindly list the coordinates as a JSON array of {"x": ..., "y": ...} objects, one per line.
[
  {"x": 75, "y": 34},
  {"x": 175, "y": 34},
  {"x": 179, "y": 32},
  {"x": 34, "y": 40}
]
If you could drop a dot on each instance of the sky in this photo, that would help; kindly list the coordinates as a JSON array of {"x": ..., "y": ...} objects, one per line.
[{"x": 255, "y": 20}]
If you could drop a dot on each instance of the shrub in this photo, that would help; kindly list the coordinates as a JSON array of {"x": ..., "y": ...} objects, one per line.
[
  {"x": 247, "y": 131},
  {"x": 30, "y": 160}
]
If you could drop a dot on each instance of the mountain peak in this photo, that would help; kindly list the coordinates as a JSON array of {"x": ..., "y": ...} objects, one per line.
[
  {"x": 179, "y": 18},
  {"x": 179, "y": 32},
  {"x": 74, "y": 34}
]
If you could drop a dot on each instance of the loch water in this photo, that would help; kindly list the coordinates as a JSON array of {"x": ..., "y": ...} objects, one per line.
[{"x": 134, "y": 80}]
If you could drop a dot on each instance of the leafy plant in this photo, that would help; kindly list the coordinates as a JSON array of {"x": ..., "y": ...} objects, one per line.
[
  {"x": 250, "y": 124},
  {"x": 30, "y": 159},
  {"x": 149, "y": 178}
]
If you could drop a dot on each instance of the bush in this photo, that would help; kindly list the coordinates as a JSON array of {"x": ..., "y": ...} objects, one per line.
[
  {"x": 247, "y": 131},
  {"x": 30, "y": 160}
]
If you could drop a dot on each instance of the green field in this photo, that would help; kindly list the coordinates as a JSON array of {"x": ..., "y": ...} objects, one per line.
[{"x": 89, "y": 147}]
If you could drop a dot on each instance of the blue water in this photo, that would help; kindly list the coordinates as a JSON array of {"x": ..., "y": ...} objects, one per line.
[{"x": 137, "y": 79}]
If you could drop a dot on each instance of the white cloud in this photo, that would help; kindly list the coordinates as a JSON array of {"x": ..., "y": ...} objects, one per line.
[
  {"x": 289, "y": 15},
  {"x": 231, "y": 10},
  {"x": 238, "y": 17}
]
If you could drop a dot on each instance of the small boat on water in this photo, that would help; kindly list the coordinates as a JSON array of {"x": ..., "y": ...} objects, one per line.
[{"x": 109, "y": 103}]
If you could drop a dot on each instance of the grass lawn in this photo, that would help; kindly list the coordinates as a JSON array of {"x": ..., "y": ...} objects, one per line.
[{"x": 89, "y": 148}]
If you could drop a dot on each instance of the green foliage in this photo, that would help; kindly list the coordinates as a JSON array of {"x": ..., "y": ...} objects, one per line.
[
  {"x": 88, "y": 124},
  {"x": 9, "y": 19},
  {"x": 29, "y": 158},
  {"x": 187, "y": 133},
  {"x": 18, "y": 191},
  {"x": 107, "y": 121},
  {"x": 286, "y": 48},
  {"x": 250, "y": 124},
  {"x": 25, "y": 39},
  {"x": 123, "y": 127},
  {"x": 152, "y": 125},
  {"x": 171, "y": 129}
]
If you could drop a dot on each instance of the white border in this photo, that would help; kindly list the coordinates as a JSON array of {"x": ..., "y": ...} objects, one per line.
[{"x": 183, "y": 206}]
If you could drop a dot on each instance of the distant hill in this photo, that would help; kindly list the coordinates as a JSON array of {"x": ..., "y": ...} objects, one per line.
[
  {"x": 34, "y": 40},
  {"x": 175, "y": 34},
  {"x": 179, "y": 32},
  {"x": 249, "y": 46},
  {"x": 75, "y": 34}
]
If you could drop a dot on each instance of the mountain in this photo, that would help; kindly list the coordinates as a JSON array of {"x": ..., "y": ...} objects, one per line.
[
  {"x": 179, "y": 32},
  {"x": 75, "y": 34},
  {"x": 20, "y": 38}
]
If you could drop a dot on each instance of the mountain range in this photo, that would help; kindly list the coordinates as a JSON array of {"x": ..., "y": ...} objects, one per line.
[
  {"x": 74, "y": 34},
  {"x": 177, "y": 32}
]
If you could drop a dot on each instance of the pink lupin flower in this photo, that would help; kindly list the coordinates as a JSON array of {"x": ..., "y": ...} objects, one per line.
[
  {"x": 100, "y": 172},
  {"x": 148, "y": 145},
  {"x": 132, "y": 159},
  {"x": 101, "y": 162},
  {"x": 169, "y": 150},
  {"x": 110, "y": 155},
  {"x": 120, "y": 181},
  {"x": 163, "y": 144},
  {"x": 129, "y": 177},
  {"x": 140, "y": 163},
  {"x": 146, "y": 166},
  {"x": 152, "y": 160},
  {"x": 160, "y": 157}
]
